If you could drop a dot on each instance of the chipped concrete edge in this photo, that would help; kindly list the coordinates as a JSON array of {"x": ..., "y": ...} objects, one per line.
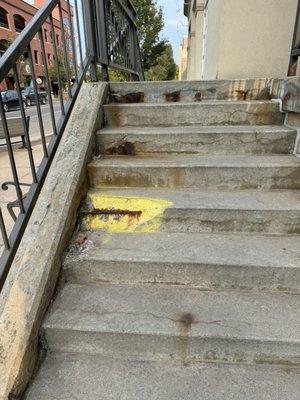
[
  {"x": 287, "y": 90},
  {"x": 33, "y": 275}
]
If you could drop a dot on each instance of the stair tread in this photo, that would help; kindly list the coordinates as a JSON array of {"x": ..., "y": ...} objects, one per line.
[
  {"x": 189, "y": 104},
  {"x": 277, "y": 200},
  {"x": 85, "y": 377},
  {"x": 134, "y": 309},
  {"x": 199, "y": 248},
  {"x": 186, "y": 160},
  {"x": 195, "y": 129}
]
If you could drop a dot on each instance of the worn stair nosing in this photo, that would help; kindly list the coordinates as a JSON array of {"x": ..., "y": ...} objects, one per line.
[
  {"x": 71, "y": 375},
  {"x": 211, "y": 261}
]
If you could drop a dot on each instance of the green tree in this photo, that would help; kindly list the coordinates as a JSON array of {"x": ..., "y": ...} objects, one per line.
[
  {"x": 20, "y": 64},
  {"x": 156, "y": 52},
  {"x": 61, "y": 68},
  {"x": 165, "y": 68}
]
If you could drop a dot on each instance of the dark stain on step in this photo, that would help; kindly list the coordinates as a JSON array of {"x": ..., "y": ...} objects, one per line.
[
  {"x": 122, "y": 149},
  {"x": 184, "y": 322},
  {"x": 198, "y": 96},
  {"x": 286, "y": 99},
  {"x": 173, "y": 97},
  {"x": 134, "y": 97},
  {"x": 242, "y": 94}
]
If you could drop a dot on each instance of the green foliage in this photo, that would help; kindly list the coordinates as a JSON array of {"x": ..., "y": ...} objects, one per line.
[
  {"x": 20, "y": 64},
  {"x": 117, "y": 76},
  {"x": 165, "y": 68},
  {"x": 156, "y": 52},
  {"x": 61, "y": 68}
]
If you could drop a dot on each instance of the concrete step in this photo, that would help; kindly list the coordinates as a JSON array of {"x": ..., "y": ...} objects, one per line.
[
  {"x": 190, "y": 91},
  {"x": 197, "y": 139},
  {"x": 86, "y": 377},
  {"x": 172, "y": 322},
  {"x": 193, "y": 171},
  {"x": 203, "y": 113},
  {"x": 206, "y": 261},
  {"x": 192, "y": 210}
]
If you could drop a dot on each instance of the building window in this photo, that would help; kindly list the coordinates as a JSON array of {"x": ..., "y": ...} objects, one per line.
[
  {"x": 36, "y": 57},
  {"x": 3, "y": 47},
  {"x": 57, "y": 40},
  {"x": 46, "y": 35},
  {"x": 3, "y": 18},
  {"x": 19, "y": 23},
  {"x": 49, "y": 58}
]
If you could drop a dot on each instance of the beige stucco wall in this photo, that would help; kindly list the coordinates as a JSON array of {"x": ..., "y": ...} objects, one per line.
[
  {"x": 195, "y": 40},
  {"x": 198, "y": 44},
  {"x": 191, "y": 49},
  {"x": 244, "y": 39},
  {"x": 255, "y": 38},
  {"x": 182, "y": 73},
  {"x": 212, "y": 42}
]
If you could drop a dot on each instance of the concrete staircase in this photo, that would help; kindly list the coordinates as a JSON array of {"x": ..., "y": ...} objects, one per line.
[{"x": 183, "y": 279}]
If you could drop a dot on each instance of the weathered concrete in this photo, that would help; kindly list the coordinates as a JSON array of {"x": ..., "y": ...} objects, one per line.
[
  {"x": 240, "y": 89},
  {"x": 33, "y": 274},
  {"x": 189, "y": 210},
  {"x": 197, "y": 139},
  {"x": 206, "y": 261},
  {"x": 185, "y": 323},
  {"x": 204, "y": 113},
  {"x": 182, "y": 297},
  {"x": 288, "y": 91},
  {"x": 293, "y": 120},
  {"x": 202, "y": 172},
  {"x": 76, "y": 376}
]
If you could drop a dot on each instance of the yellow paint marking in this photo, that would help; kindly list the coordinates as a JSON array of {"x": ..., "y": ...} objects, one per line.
[{"x": 146, "y": 214}]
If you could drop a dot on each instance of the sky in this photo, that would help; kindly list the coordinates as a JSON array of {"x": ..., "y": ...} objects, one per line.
[{"x": 175, "y": 23}]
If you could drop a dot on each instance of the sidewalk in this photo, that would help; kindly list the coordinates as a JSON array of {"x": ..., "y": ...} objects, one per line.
[
  {"x": 22, "y": 162},
  {"x": 34, "y": 130},
  {"x": 24, "y": 173}
]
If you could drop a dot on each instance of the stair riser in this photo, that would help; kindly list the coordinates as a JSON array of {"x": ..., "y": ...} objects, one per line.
[
  {"x": 191, "y": 114},
  {"x": 211, "y": 221},
  {"x": 197, "y": 177},
  {"x": 203, "y": 144},
  {"x": 206, "y": 277},
  {"x": 190, "y": 91},
  {"x": 180, "y": 347}
]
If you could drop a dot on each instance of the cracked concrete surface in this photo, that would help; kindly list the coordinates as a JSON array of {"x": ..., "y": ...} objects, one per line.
[
  {"x": 205, "y": 113},
  {"x": 200, "y": 140},
  {"x": 207, "y": 306},
  {"x": 110, "y": 318}
]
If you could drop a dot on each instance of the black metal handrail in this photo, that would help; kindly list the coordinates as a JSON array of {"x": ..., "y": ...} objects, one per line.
[
  {"x": 104, "y": 33},
  {"x": 295, "y": 51}
]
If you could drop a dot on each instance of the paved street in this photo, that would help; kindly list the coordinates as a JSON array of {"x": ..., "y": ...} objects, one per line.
[
  {"x": 33, "y": 112},
  {"x": 34, "y": 124}
]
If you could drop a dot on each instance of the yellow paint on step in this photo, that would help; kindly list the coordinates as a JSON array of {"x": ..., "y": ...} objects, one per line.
[{"x": 144, "y": 214}]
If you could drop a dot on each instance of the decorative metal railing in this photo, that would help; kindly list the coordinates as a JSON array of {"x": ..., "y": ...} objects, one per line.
[
  {"x": 295, "y": 52},
  {"x": 92, "y": 35}
]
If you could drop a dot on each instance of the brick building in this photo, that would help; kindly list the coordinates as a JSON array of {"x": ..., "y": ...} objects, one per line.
[{"x": 14, "y": 15}]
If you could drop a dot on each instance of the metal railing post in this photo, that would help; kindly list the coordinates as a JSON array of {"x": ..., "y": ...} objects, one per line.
[{"x": 89, "y": 16}]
